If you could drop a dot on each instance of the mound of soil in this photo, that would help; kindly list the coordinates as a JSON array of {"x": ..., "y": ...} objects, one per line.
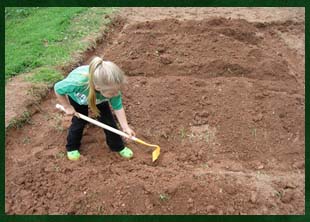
[{"x": 224, "y": 99}]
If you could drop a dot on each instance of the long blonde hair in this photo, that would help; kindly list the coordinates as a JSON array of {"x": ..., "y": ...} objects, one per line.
[{"x": 104, "y": 74}]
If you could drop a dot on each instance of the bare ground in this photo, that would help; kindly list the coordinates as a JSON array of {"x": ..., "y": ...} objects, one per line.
[{"x": 221, "y": 90}]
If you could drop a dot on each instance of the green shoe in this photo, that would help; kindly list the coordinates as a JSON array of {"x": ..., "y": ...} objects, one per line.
[
  {"x": 73, "y": 155},
  {"x": 126, "y": 153}
]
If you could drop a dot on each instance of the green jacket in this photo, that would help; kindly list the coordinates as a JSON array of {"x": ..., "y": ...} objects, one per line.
[{"x": 75, "y": 85}]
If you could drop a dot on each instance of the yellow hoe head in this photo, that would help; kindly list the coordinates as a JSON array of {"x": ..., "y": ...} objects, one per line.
[{"x": 155, "y": 153}]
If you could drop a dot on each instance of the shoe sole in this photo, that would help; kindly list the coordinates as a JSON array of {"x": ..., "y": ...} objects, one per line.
[{"x": 74, "y": 159}]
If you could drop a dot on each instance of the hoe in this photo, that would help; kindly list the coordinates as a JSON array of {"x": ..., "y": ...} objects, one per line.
[{"x": 155, "y": 153}]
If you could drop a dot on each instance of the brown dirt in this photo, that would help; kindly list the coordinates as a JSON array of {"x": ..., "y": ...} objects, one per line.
[
  {"x": 223, "y": 97},
  {"x": 22, "y": 99}
]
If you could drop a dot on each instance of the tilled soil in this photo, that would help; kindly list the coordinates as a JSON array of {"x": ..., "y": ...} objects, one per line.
[{"x": 224, "y": 98}]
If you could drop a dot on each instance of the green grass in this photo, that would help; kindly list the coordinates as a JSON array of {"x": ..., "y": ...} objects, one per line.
[
  {"x": 45, "y": 75},
  {"x": 38, "y": 40},
  {"x": 19, "y": 12}
]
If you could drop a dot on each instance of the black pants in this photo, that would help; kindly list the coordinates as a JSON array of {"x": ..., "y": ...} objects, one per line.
[{"x": 75, "y": 134}]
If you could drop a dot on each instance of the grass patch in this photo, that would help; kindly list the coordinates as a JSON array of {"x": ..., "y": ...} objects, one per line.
[
  {"x": 19, "y": 12},
  {"x": 37, "y": 92},
  {"x": 45, "y": 75},
  {"x": 20, "y": 122},
  {"x": 48, "y": 37}
]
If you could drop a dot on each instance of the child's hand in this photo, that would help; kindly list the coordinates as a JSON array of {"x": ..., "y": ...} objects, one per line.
[
  {"x": 69, "y": 110},
  {"x": 129, "y": 131}
]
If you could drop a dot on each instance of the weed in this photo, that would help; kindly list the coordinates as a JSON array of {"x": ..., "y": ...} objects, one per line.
[
  {"x": 164, "y": 135},
  {"x": 58, "y": 122},
  {"x": 205, "y": 165},
  {"x": 278, "y": 194},
  {"x": 38, "y": 92},
  {"x": 191, "y": 137},
  {"x": 56, "y": 168},
  {"x": 163, "y": 197},
  {"x": 19, "y": 122},
  {"x": 60, "y": 155},
  {"x": 100, "y": 210},
  {"x": 182, "y": 133},
  {"x": 26, "y": 140},
  {"x": 59, "y": 128}
]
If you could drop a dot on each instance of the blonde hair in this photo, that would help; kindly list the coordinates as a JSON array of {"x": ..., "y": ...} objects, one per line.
[{"x": 104, "y": 74}]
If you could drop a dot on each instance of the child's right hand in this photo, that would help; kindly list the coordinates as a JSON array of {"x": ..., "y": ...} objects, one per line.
[{"x": 69, "y": 110}]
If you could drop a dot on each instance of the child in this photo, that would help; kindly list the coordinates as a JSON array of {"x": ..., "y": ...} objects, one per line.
[{"x": 94, "y": 85}]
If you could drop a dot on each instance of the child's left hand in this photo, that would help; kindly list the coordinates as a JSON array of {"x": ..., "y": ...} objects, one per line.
[{"x": 129, "y": 131}]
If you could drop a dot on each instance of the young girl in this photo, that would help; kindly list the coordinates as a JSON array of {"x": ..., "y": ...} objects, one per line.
[{"x": 94, "y": 85}]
